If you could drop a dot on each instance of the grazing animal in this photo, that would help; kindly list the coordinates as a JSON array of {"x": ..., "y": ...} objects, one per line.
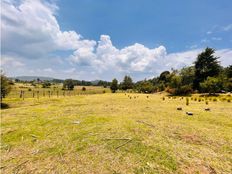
[
  {"x": 207, "y": 109},
  {"x": 179, "y": 108},
  {"x": 189, "y": 113}
]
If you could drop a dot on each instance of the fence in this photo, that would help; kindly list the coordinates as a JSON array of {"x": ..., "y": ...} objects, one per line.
[{"x": 52, "y": 93}]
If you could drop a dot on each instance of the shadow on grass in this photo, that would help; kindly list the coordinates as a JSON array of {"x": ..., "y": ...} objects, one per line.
[{"x": 4, "y": 106}]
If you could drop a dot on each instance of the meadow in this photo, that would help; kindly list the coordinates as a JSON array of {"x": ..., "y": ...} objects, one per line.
[{"x": 117, "y": 133}]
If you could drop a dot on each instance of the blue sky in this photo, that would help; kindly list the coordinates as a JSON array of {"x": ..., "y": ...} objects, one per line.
[
  {"x": 176, "y": 24},
  {"x": 103, "y": 39}
]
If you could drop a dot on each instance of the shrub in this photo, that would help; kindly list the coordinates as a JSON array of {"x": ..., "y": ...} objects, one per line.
[
  {"x": 187, "y": 101},
  {"x": 228, "y": 100},
  {"x": 83, "y": 88}
]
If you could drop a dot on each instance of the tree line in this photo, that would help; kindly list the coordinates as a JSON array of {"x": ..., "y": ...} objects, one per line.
[{"x": 205, "y": 76}]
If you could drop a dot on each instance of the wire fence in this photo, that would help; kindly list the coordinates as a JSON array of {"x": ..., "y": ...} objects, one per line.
[{"x": 53, "y": 93}]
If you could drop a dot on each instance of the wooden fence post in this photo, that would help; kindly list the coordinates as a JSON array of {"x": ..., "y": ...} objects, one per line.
[{"x": 21, "y": 94}]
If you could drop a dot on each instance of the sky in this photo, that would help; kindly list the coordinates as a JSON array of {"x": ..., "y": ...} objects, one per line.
[{"x": 106, "y": 39}]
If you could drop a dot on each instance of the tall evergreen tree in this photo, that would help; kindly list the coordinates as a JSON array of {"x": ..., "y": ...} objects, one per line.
[{"x": 206, "y": 65}]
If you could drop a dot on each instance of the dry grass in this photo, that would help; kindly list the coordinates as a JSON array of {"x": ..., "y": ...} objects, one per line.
[{"x": 111, "y": 133}]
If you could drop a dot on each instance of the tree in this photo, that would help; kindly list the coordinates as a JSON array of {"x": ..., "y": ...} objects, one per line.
[
  {"x": 179, "y": 85},
  {"x": 5, "y": 86},
  {"x": 226, "y": 78},
  {"x": 211, "y": 85},
  {"x": 145, "y": 86},
  {"x": 165, "y": 77},
  {"x": 46, "y": 84},
  {"x": 114, "y": 85},
  {"x": 187, "y": 75},
  {"x": 68, "y": 84},
  {"x": 206, "y": 65},
  {"x": 127, "y": 83}
]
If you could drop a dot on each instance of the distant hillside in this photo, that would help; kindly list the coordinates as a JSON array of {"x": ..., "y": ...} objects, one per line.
[
  {"x": 31, "y": 78},
  {"x": 77, "y": 82}
]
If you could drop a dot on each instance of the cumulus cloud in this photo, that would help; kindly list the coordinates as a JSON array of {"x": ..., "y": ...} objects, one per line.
[
  {"x": 30, "y": 29},
  {"x": 31, "y": 37},
  {"x": 134, "y": 58}
]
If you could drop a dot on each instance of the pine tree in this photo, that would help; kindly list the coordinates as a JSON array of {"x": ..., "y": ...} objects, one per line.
[{"x": 206, "y": 65}]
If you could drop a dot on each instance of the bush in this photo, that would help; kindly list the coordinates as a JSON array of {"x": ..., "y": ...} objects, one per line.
[
  {"x": 187, "y": 101},
  {"x": 210, "y": 85},
  {"x": 145, "y": 87},
  {"x": 83, "y": 88},
  {"x": 182, "y": 90}
]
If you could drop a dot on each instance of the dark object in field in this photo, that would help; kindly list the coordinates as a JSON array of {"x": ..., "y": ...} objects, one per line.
[
  {"x": 147, "y": 96},
  {"x": 207, "y": 109},
  {"x": 189, "y": 113},
  {"x": 179, "y": 108}
]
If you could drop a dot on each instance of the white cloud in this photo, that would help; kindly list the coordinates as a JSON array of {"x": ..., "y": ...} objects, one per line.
[
  {"x": 11, "y": 62},
  {"x": 32, "y": 31},
  {"x": 216, "y": 38},
  {"x": 49, "y": 70},
  {"x": 228, "y": 27},
  {"x": 225, "y": 56}
]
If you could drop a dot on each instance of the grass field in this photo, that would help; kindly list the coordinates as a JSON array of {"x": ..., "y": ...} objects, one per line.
[{"x": 113, "y": 133}]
